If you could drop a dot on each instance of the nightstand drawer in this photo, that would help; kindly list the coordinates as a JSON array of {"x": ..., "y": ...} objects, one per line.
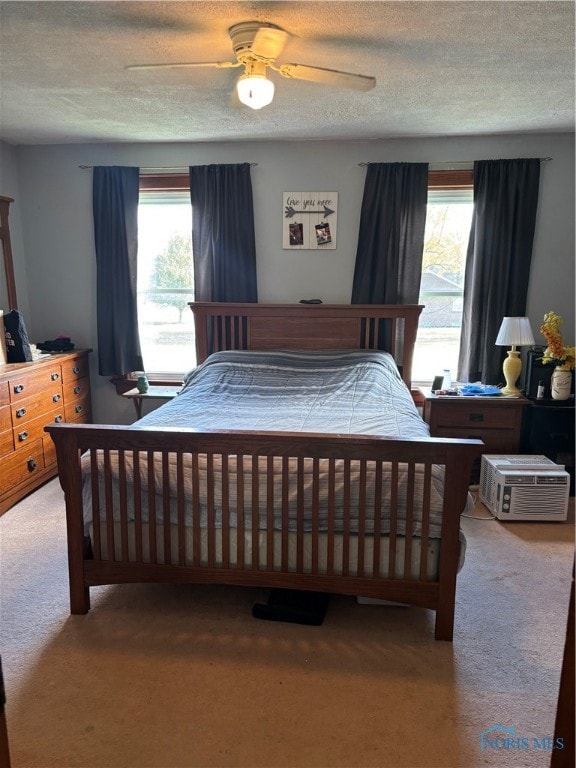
[
  {"x": 497, "y": 421},
  {"x": 477, "y": 415},
  {"x": 495, "y": 440}
]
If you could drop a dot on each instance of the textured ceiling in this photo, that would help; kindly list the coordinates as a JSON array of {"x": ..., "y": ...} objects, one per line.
[{"x": 442, "y": 68}]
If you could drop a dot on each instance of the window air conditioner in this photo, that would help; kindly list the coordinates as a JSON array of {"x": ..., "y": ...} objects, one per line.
[{"x": 524, "y": 488}]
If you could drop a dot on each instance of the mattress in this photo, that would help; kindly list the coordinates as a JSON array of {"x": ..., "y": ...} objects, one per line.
[{"x": 207, "y": 551}]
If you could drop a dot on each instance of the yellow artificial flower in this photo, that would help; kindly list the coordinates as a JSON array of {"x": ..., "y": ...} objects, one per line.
[{"x": 556, "y": 352}]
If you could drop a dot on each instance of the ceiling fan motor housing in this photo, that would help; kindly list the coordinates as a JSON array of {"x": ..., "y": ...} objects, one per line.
[{"x": 243, "y": 34}]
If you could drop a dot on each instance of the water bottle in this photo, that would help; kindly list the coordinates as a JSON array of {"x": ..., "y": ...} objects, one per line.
[{"x": 447, "y": 379}]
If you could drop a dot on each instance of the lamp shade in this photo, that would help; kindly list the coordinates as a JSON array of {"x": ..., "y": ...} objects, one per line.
[
  {"x": 255, "y": 91},
  {"x": 515, "y": 331}
]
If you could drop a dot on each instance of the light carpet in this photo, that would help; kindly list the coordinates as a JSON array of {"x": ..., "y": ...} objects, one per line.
[{"x": 168, "y": 676}]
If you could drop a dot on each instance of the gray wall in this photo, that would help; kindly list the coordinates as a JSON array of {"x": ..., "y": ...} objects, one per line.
[{"x": 53, "y": 238}]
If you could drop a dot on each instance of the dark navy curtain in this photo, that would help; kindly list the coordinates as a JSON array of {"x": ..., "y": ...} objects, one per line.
[
  {"x": 498, "y": 261},
  {"x": 223, "y": 241},
  {"x": 391, "y": 238},
  {"x": 115, "y": 211}
]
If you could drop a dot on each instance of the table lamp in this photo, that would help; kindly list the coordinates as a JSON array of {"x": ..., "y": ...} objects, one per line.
[{"x": 514, "y": 331}]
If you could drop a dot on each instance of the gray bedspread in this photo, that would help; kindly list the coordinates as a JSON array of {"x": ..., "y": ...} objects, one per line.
[{"x": 334, "y": 392}]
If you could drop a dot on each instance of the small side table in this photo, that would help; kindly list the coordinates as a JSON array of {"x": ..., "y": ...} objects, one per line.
[
  {"x": 497, "y": 421},
  {"x": 154, "y": 393}
]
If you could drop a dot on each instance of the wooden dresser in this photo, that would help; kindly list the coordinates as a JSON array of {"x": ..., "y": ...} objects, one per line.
[{"x": 53, "y": 389}]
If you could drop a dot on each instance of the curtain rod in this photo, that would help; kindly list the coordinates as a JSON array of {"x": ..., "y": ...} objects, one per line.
[
  {"x": 452, "y": 162},
  {"x": 177, "y": 169}
]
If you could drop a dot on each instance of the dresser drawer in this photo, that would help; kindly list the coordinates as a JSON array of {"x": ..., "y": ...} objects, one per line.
[
  {"x": 77, "y": 368},
  {"x": 33, "y": 430},
  {"x": 22, "y": 465},
  {"x": 477, "y": 415},
  {"x": 31, "y": 407},
  {"x": 76, "y": 389},
  {"x": 36, "y": 382},
  {"x": 78, "y": 410},
  {"x": 6, "y": 442}
]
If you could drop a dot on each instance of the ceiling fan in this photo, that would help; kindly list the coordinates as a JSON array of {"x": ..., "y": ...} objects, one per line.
[{"x": 256, "y": 46}]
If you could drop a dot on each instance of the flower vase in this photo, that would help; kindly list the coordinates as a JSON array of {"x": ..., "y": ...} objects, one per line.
[{"x": 561, "y": 383}]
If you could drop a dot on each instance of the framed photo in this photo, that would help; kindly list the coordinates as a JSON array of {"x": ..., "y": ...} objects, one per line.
[{"x": 310, "y": 220}]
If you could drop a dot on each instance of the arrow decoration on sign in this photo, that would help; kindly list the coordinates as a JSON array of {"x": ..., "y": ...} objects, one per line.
[{"x": 289, "y": 211}]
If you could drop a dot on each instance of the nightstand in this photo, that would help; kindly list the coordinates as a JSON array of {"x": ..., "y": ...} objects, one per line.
[
  {"x": 497, "y": 421},
  {"x": 153, "y": 393}
]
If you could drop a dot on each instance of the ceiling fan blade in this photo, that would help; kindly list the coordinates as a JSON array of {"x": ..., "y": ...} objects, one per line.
[
  {"x": 327, "y": 76},
  {"x": 269, "y": 42},
  {"x": 182, "y": 64}
]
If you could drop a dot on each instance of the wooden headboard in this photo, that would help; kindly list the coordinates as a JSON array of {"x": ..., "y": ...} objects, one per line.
[{"x": 224, "y": 326}]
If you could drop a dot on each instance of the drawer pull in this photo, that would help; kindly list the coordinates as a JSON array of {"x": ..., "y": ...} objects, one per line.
[
  {"x": 56, "y": 398},
  {"x": 59, "y": 418},
  {"x": 77, "y": 390},
  {"x": 18, "y": 388},
  {"x": 20, "y": 412},
  {"x": 79, "y": 409},
  {"x": 22, "y": 436},
  {"x": 31, "y": 464},
  {"x": 54, "y": 376},
  {"x": 476, "y": 417},
  {"x": 75, "y": 369}
]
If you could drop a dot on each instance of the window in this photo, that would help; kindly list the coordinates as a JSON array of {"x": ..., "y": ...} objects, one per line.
[
  {"x": 448, "y": 220},
  {"x": 165, "y": 276}
]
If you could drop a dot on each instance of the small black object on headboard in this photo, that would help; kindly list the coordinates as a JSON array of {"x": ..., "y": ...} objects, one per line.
[{"x": 310, "y": 301}]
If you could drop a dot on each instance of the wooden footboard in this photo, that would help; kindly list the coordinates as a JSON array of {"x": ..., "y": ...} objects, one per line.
[{"x": 349, "y": 515}]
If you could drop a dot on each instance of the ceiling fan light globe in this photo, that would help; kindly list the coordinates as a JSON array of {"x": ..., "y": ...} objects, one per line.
[{"x": 255, "y": 91}]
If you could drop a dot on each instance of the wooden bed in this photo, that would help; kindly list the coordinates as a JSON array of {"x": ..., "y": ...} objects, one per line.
[{"x": 130, "y": 544}]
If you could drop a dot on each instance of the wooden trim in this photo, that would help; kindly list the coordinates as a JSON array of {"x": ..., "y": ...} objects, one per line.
[
  {"x": 462, "y": 178},
  {"x": 125, "y": 383},
  {"x": 459, "y": 179},
  {"x": 165, "y": 182},
  {"x": 7, "y": 251}
]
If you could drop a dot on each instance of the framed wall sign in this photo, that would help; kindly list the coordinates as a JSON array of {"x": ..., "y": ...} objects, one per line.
[{"x": 310, "y": 220}]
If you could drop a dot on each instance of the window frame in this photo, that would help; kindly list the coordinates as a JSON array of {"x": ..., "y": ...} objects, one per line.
[
  {"x": 461, "y": 179},
  {"x": 155, "y": 182}
]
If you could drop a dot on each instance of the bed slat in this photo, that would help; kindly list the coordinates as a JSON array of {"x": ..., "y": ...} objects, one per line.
[
  {"x": 240, "y": 524},
  {"x": 152, "y": 516}
]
